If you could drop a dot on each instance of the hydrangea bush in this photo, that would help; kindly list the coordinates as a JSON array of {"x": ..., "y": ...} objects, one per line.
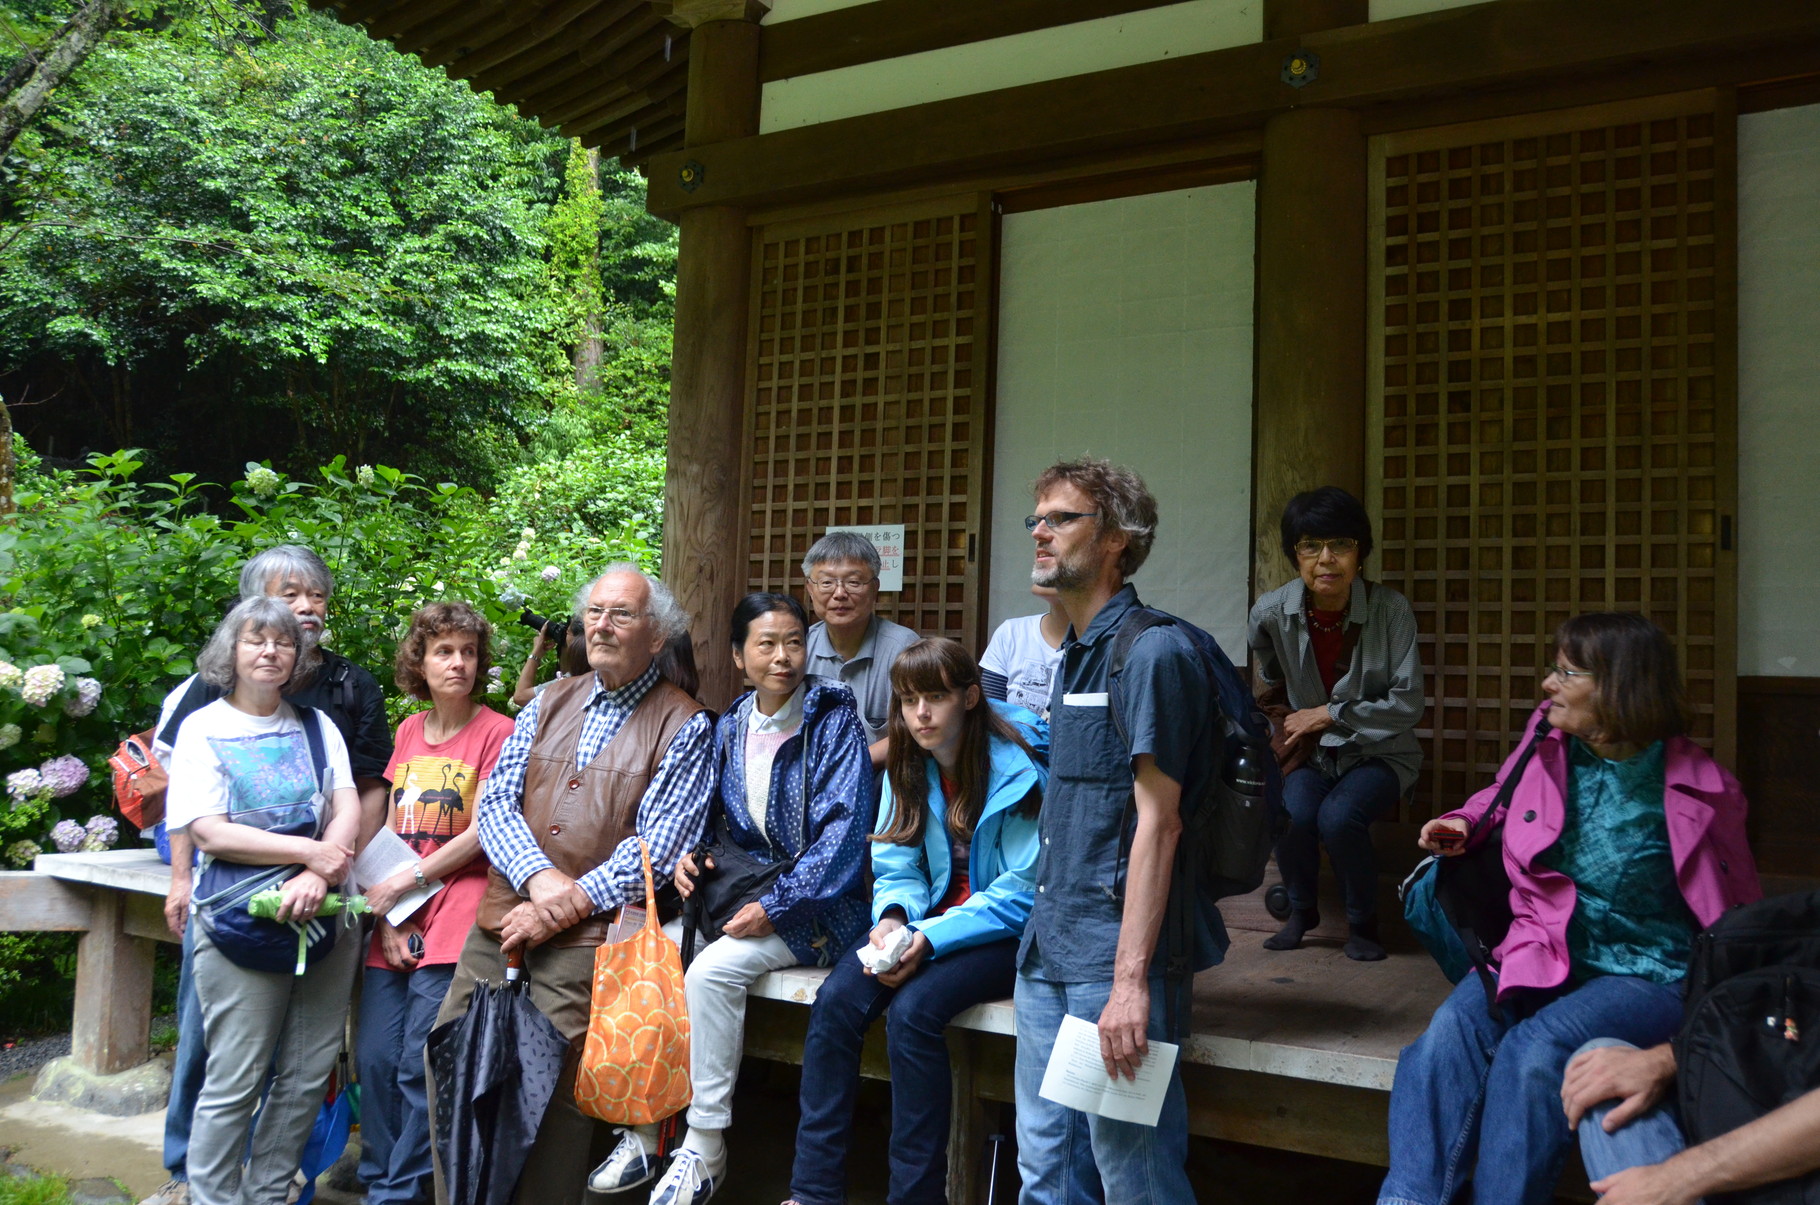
[{"x": 108, "y": 586}]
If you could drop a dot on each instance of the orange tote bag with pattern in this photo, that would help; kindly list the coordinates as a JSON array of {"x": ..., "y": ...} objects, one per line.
[{"x": 635, "y": 1062}]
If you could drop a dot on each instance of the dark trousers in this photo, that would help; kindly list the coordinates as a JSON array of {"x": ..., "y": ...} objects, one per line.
[
  {"x": 1336, "y": 813},
  {"x": 916, "y": 1016}
]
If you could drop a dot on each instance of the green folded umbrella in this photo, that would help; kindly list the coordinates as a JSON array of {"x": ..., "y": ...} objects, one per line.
[{"x": 265, "y": 904}]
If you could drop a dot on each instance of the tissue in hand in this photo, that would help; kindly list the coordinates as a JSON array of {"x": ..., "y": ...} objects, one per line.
[{"x": 878, "y": 960}]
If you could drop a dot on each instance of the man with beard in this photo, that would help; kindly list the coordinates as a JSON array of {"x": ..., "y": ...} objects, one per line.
[
  {"x": 352, "y": 699},
  {"x": 1109, "y": 827}
]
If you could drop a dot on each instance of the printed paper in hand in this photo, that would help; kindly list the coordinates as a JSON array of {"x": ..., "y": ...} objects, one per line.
[
  {"x": 1076, "y": 1076},
  {"x": 385, "y": 855}
]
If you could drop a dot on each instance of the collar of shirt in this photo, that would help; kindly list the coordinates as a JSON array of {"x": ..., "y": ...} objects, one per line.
[
  {"x": 824, "y": 646},
  {"x": 1295, "y": 598},
  {"x": 1107, "y": 620},
  {"x": 627, "y": 696},
  {"x": 788, "y": 716}
]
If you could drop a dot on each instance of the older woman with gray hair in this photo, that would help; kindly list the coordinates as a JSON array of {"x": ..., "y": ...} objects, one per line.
[
  {"x": 850, "y": 643},
  {"x": 258, "y": 782}
]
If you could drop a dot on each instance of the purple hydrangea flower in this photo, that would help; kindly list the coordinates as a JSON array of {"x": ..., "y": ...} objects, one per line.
[
  {"x": 102, "y": 832},
  {"x": 68, "y": 836},
  {"x": 64, "y": 775},
  {"x": 21, "y": 853},
  {"x": 88, "y": 693}
]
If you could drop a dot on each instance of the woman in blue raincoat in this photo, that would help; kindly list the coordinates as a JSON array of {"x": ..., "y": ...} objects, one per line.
[{"x": 953, "y": 862}]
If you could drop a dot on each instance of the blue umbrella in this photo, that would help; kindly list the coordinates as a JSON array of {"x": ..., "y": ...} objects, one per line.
[{"x": 329, "y": 1136}]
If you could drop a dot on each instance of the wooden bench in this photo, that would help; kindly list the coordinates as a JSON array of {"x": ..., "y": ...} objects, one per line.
[{"x": 1292, "y": 1051}]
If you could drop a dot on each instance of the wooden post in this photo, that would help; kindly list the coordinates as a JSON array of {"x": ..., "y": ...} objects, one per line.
[
  {"x": 113, "y": 1015},
  {"x": 706, "y": 515},
  {"x": 1310, "y": 410}
]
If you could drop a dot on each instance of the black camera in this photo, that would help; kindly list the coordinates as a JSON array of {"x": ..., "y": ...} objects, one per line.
[{"x": 552, "y": 629}]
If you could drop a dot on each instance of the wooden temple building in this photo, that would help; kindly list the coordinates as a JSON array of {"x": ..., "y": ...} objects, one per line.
[{"x": 1538, "y": 279}]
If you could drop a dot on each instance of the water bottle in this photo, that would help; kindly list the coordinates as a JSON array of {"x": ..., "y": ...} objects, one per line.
[{"x": 1245, "y": 770}]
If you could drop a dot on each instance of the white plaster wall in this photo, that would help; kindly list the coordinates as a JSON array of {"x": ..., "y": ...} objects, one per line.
[
  {"x": 1389, "y": 10},
  {"x": 1064, "y": 50},
  {"x": 1125, "y": 331},
  {"x": 1779, "y": 392}
]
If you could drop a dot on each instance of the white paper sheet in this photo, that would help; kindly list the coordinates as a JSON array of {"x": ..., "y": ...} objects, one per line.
[
  {"x": 1076, "y": 1076},
  {"x": 385, "y": 855}
]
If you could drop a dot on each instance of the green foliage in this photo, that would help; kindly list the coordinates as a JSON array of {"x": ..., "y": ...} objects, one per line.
[{"x": 34, "y": 1190}]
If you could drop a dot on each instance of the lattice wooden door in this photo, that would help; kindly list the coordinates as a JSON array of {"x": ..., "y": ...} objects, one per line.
[
  {"x": 868, "y": 399},
  {"x": 1554, "y": 350}
]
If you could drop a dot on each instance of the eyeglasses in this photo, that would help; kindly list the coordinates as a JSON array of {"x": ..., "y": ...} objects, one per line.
[
  {"x": 1055, "y": 520},
  {"x": 619, "y": 617},
  {"x": 1561, "y": 671},
  {"x": 252, "y": 642},
  {"x": 1311, "y": 547},
  {"x": 853, "y": 585}
]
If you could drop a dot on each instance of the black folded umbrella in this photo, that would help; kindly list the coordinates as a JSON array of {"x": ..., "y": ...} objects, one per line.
[{"x": 496, "y": 1069}]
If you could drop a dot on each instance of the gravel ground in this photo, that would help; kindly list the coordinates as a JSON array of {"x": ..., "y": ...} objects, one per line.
[{"x": 29, "y": 1054}]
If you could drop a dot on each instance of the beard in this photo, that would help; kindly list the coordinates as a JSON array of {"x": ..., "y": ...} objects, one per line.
[{"x": 1066, "y": 573}]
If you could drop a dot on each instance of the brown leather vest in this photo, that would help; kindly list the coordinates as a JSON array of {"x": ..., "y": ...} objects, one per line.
[{"x": 579, "y": 817}]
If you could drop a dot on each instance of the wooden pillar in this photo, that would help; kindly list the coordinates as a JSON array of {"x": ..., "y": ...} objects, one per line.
[
  {"x": 113, "y": 1015},
  {"x": 1310, "y": 412},
  {"x": 705, "y": 515}
]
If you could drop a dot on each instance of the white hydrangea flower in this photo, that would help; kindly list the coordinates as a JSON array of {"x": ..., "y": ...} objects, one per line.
[
  {"x": 24, "y": 784},
  {"x": 10, "y": 677},
  {"x": 262, "y": 481},
  {"x": 364, "y": 475},
  {"x": 41, "y": 683},
  {"x": 550, "y": 573},
  {"x": 88, "y": 694},
  {"x": 10, "y": 735},
  {"x": 91, "y": 620}
]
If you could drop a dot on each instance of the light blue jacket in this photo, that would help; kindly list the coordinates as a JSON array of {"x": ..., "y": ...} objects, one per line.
[{"x": 1001, "y": 863}]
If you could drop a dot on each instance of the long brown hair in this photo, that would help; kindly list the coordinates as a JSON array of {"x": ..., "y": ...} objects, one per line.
[{"x": 928, "y": 666}]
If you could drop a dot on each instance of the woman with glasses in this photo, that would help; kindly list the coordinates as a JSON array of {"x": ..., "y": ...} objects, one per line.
[
  {"x": 1335, "y": 661},
  {"x": 252, "y": 788},
  {"x": 1622, "y": 839}
]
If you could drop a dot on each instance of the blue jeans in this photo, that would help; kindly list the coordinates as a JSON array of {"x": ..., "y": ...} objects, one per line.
[
  {"x": 1056, "y": 1153},
  {"x": 1478, "y": 1098},
  {"x": 191, "y": 1059},
  {"x": 397, "y": 1011},
  {"x": 1336, "y": 813},
  {"x": 1647, "y": 1140},
  {"x": 916, "y": 1018}
]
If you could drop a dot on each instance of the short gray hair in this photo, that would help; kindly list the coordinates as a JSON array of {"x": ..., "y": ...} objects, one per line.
[
  {"x": 842, "y": 546},
  {"x": 288, "y": 563},
  {"x": 671, "y": 619},
  {"x": 261, "y": 613}
]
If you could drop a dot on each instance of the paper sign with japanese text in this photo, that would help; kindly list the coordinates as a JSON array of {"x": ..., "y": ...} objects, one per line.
[{"x": 888, "y": 538}]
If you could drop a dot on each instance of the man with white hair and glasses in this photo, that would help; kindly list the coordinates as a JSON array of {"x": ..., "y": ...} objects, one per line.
[
  {"x": 353, "y": 701},
  {"x": 594, "y": 763}
]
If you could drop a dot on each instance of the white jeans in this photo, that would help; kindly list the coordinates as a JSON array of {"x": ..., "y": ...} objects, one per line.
[{"x": 715, "y": 986}]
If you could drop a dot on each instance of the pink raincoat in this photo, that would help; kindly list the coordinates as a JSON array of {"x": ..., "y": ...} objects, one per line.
[{"x": 1705, "y": 812}]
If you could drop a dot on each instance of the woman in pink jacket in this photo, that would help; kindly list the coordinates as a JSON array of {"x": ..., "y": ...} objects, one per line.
[{"x": 1622, "y": 840}]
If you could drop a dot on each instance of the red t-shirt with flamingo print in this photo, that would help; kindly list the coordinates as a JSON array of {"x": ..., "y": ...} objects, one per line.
[{"x": 434, "y": 790}]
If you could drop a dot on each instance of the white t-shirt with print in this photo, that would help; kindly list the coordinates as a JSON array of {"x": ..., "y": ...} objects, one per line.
[
  {"x": 1019, "y": 653},
  {"x": 229, "y": 763}
]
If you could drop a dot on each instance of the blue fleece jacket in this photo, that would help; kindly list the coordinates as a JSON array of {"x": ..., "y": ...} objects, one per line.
[{"x": 1001, "y": 863}]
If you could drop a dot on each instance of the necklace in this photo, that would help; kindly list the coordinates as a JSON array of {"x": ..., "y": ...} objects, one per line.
[{"x": 1321, "y": 625}]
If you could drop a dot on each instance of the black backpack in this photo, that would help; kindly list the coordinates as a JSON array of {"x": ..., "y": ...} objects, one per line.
[
  {"x": 1750, "y": 1041},
  {"x": 1229, "y": 832}
]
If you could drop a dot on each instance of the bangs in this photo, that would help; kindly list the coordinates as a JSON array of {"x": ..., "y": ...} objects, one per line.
[{"x": 919, "y": 669}]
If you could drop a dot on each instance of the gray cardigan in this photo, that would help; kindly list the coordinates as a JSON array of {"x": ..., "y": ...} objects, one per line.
[{"x": 1376, "y": 704}]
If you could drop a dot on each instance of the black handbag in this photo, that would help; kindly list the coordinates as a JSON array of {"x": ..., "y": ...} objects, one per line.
[
  {"x": 739, "y": 876},
  {"x": 1473, "y": 888}
]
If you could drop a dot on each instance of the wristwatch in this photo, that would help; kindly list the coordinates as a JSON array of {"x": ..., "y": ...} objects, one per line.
[{"x": 417, "y": 873}]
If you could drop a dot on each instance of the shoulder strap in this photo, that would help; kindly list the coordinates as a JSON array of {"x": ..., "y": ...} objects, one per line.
[
  {"x": 199, "y": 695},
  {"x": 1139, "y": 621},
  {"x": 312, "y": 721},
  {"x": 1508, "y": 788}
]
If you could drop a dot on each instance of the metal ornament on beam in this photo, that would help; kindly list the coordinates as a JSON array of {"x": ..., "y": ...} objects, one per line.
[{"x": 1301, "y": 67}]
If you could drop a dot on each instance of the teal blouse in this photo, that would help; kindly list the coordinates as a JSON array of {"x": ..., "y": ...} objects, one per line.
[{"x": 1630, "y": 918}]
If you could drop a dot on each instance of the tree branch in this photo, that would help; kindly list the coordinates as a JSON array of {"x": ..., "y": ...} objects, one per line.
[{"x": 20, "y": 103}]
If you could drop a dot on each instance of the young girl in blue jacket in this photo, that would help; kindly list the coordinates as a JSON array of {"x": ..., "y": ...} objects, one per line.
[{"x": 953, "y": 862}]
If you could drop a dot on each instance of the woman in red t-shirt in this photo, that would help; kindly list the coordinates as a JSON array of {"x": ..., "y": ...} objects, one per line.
[
  {"x": 1339, "y": 656},
  {"x": 440, "y": 759}
]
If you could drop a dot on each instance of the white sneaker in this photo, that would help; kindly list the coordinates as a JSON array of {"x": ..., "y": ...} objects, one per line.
[
  {"x": 171, "y": 1192},
  {"x": 686, "y": 1181},
  {"x": 627, "y": 1167}
]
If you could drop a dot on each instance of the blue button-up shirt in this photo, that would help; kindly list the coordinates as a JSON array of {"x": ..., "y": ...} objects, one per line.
[
  {"x": 1168, "y": 710},
  {"x": 670, "y": 816}
]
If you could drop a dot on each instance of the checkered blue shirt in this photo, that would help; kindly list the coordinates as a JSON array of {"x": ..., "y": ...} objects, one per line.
[{"x": 671, "y": 816}]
